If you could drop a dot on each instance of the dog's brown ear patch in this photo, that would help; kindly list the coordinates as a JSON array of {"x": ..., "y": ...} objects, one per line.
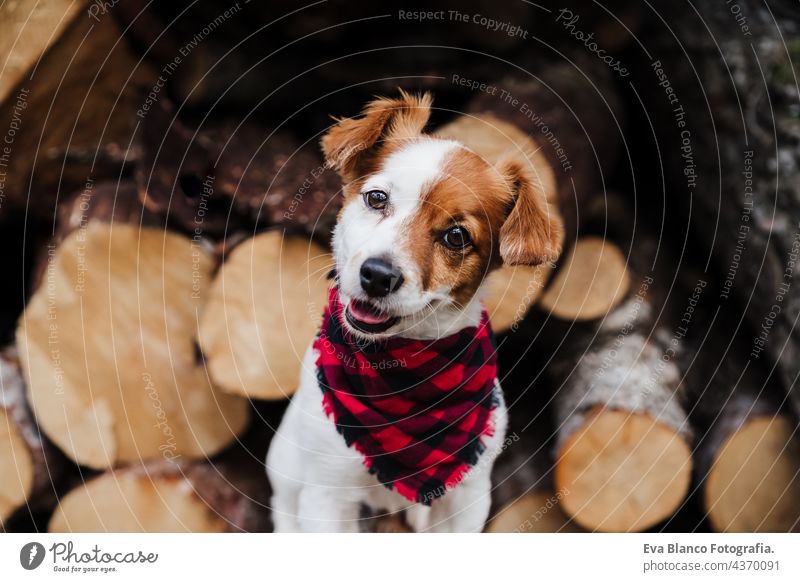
[
  {"x": 532, "y": 233},
  {"x": 351, "y": 142}
]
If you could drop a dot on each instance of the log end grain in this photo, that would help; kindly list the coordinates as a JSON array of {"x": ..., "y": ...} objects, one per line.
[
  {"x": 622, "y": 471},
  {"x": 16, "y": 468},
  {"x": 510, "y": 292},
  {"x": 107, "y": 353},
  {"x": 593, "y": 281},
  {"x": 264, "y": 309},
  {"x": 133, "y": 501},
  {"x": 537, "y": 512},
  {"x": 754, "y": 482}
]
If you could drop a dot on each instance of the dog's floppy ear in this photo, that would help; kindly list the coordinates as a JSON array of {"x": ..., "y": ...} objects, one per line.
[
  {"x": 351, "y": 142},
  {"x": 532, "y": 233}
]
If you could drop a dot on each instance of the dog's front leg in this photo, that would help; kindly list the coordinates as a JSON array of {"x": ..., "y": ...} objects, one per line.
[
  {"x": 463, "y": 510},
  {"x": 323, "y": 509}
]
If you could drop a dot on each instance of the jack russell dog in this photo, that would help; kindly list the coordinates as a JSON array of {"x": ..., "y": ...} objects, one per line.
[{"x": 399, "y": 407}]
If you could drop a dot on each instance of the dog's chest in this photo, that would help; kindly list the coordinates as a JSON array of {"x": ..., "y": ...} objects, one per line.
[{"x": 343, "y": 467}]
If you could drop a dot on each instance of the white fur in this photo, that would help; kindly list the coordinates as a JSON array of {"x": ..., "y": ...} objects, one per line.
[
  {"x": 362, "y": 233},
  {"x": 318, "y": 483}
]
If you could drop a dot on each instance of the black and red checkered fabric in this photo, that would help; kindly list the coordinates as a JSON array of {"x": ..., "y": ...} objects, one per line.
[{"x": 416, "y": 410}]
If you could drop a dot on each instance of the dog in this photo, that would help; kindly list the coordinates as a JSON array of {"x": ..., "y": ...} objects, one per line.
[{"x": 399, "y": 408}]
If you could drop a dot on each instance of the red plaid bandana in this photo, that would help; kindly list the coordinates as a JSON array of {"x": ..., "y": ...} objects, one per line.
[{"x": 416, "y": 410}]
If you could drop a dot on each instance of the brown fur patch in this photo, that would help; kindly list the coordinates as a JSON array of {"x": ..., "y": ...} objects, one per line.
[
  {"x": 471, "y": 194},
  {"x": 351, "y": 146},
  {"x": 533, "y": 233}
]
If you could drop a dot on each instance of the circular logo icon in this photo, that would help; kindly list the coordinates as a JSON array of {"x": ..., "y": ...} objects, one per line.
[{"x": 31, "y": 555}]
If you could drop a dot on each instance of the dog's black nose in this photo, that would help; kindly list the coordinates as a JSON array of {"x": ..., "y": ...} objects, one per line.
[{"x": 380, "y": 277}]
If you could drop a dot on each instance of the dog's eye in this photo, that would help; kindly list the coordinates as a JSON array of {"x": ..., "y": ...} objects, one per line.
[
  {"x": 457, "y": 238},
  {"x": 376, "y": 199}
]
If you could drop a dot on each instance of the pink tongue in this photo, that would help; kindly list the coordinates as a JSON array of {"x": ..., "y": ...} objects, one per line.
[{"x": 366, "y": 314}]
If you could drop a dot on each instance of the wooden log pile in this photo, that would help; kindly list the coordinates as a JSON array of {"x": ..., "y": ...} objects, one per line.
[{"x": 174, "y": 260}]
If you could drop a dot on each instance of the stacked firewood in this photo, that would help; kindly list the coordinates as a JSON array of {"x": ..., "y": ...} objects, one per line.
[{"x": 179, "y": 260}]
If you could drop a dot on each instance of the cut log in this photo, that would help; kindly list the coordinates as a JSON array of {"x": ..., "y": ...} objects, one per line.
[
  {"x": 624, "y": 470},
  {"x": 107, "y": 351},
  {"x": 104, "y": 202},
  {"x": 165, "y": 496},
  {"x": 754, "y": 483},
  {"x": 592, "y": 281},
  {"x": 69, "y": 90},
  {"x": 623, "y": 437},
  {"x": 16, "y": 465},
  {"x": 30, "y": 467},
  {"x": 748, "y": 457},
  {"x": 537, "y": 512},
  {"x": 229, "y": 175},
  {"x": 31, "y": 27},
  {"x": 510, "y": 292},
  {"x": 264, "y": 308}
]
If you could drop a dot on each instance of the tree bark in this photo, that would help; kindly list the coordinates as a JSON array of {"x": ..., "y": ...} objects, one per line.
[
  {"x": 68, "y": 102},
  {"x": 227, "y": 176},
  {"x": 729, "y": 133},
  {"x": 30, "y": 467}
]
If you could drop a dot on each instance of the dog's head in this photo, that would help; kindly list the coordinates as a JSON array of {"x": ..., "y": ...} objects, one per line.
[{"x": 425, "y": 220}]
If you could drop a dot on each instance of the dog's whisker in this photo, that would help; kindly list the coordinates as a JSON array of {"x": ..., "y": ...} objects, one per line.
[{"x": 324, "y": 270}]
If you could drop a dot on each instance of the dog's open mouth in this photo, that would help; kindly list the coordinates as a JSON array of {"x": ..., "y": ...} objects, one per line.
[{"x": 367, "y": 318}]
